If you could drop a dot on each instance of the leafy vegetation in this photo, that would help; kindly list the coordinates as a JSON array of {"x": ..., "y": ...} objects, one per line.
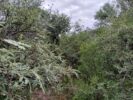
[
  {"x": 41, "y": 59},
  {"x": 27, "y": 61}
]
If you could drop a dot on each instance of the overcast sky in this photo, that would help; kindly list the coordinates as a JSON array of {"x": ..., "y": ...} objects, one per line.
[{"x": 78, "y": 10}]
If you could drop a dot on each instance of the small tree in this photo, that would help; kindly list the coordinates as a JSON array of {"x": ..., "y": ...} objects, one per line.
[{"x": 105, "y": 15}]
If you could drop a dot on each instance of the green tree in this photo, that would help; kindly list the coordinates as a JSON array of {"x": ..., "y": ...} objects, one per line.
[
  {"x": 59, "y": 24},
  {"x": 105, "y": 15},
  {"x": 16, "y": 20},
  {"x": 125, "y": 4}
]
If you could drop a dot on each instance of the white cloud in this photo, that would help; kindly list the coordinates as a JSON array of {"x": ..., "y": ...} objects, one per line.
[{"x": 83, "y": 10}]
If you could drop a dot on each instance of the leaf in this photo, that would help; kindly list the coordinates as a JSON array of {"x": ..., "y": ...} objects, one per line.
[{"x": 18, "y": 44}]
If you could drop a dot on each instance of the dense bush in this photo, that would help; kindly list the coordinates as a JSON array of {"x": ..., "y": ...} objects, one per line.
[
  {"x": 29, "y": 67},
  {"x": 28, "y": 62},
  {"x": 108, "y": 63},
  {"x": 38, "y": 54}
]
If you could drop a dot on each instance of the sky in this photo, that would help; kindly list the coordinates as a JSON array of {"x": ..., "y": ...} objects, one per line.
[{"x": 78, "y": 10}]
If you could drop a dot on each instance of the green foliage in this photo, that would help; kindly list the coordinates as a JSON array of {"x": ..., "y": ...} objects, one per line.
[
  {"x": 92, "y": 60},
  {"x": 26, "y": 70},
  {"x": 70, "y": 47},
  {"x": 107, "y": 61},
  {"x": 27, "y": 61},
  {"x": 30, "y": 60},
  {"x": 59, "y": 24},
  {"x": 17, "y": 21},
  {"x": 124, "y": 20},
  {"x": 106, "y": 14},
  {"x": 125, "y": 5}
]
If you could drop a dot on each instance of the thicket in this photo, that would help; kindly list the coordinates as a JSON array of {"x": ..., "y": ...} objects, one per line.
[
  {"x": 30, "y": 61},
  {"x": 40, "y": 57},
  {"x": 104, "y": 55}
]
